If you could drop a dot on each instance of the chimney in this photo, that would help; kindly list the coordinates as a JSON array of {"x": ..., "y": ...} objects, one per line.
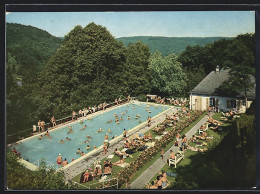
[{"x": 217, "y": 69}]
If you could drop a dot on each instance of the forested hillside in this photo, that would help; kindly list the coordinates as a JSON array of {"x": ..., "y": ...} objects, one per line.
[
  {"x": 29, "y": 48},
  {"x": 168, "y": 45}
]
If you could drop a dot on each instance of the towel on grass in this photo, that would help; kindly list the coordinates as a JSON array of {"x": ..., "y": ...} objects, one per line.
[
  {"x": 110, "y": 156},
  {"x": 125, "y": 164},
  {"x": 171, "y": 174},
  {"x": 158, "y": 137},
  {"x": 150, "y": 144}
]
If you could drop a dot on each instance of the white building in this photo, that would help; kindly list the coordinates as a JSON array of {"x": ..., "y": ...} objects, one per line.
[{"x": 205, "y": 95}]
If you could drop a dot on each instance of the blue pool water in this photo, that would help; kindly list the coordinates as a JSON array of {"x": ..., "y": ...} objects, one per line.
[{"x": 47, "y": 149}]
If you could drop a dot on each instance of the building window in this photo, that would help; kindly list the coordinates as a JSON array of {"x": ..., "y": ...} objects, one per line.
[
  {"x": 211, "y": 102},
  {"x": 231, "y": 104}
]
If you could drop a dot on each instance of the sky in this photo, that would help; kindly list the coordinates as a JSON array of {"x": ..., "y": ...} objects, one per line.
[{"x": 146, "y": 23}]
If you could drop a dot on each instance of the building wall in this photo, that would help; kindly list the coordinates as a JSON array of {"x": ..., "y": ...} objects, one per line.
[{"x": 202, "y": 103}]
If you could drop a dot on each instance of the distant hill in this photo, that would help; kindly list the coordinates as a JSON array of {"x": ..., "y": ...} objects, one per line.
[
  {"x": 31, "y": 47},
  {"x": 167, "y": 45}
]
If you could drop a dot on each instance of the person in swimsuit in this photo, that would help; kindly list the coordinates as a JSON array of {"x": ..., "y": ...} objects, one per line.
[
  {"x": 78, "y": 151},
  {"x": 85, "y": 126},
  {"x": 164, "y": 180},
  {"x": 124, "y": 134},
  {"x": 86, "y": 176},
  {"x": 121, "y": 161},
  {"x": 65, "y": 162},
  {"x": 152, "y": 186},
  {"x": 159, "y": 182},
  {"x": 59, "y": 159},
  {"x": 53, "y": 121},
  {"x": 47, "y": 134},
  {"x": 162, "y": 153}
]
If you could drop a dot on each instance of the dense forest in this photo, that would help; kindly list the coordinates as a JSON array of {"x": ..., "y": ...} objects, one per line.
[
  {"x": 169, "y": 45},
  {"x": 89, "y": 66}
]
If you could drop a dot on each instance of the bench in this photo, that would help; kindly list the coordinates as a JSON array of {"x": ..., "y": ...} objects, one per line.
[
  {"x": 204, "y": 130},
  {"x": 178, "y": 157}
]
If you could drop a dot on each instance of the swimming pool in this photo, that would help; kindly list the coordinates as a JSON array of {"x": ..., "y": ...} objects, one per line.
[{"x": 34, "y": 149}]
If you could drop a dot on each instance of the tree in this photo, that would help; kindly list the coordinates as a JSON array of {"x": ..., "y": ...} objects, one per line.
[
  {"x": 240, "y": 60},
  {"x": 136, "y": 78},
  {"x": 21, "y": 178},
  {"x": 167, "y": 74},
  {"x": 85, "y": 71}
]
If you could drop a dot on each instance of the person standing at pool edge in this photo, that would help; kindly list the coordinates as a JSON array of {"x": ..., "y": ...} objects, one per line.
[
  {"x": 124, "y": 134},
  {"x": 59, "y": 159}
]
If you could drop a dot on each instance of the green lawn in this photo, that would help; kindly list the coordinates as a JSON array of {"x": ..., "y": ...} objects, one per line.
[{"x": 188, "y": 155}]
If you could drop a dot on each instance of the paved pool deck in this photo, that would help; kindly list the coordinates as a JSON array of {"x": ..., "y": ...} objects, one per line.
[
  {"x": 148, "y": 174},
  {"x": 87, "y": 162}
]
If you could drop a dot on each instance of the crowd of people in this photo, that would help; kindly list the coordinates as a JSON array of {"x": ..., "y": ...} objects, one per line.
[
  {"x": 173, "y": 101},
  {"x": 81, "y": 113},
  {"x": 97, "y": 171},
  {"x": 161, "y": 181}
]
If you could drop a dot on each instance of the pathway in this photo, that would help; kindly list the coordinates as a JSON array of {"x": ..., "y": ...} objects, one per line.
[{"x": 146, "y": 176}]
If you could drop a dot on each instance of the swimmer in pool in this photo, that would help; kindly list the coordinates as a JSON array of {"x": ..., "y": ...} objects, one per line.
[
  {"x": 109, "y": 130},
  {"x": 81, "y": 122},
  {"x": 115, "y": 115},
  {"x": 68, "y": 138},
  {"x": 110, "y": 121},
  {"x": 78, "y": 151},
  {"x": 95, "y": 147},
  {"x": 85, "y": 126},
  {"x": 87, "y": 148},
  {"x": 117, "y": 122},
  {"x": 88, "y": 136},
  {"x": 61, "y": 141},
  {"x": 40, "y": 137},
  {"x": 47, "y": 134},
  {"x": 121, "y": 118},
  {"x": 129, "y": 117},
  {"x": 100, "y": 130}
]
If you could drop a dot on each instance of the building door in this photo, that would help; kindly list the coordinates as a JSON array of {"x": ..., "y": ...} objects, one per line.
[
  {"x": 217, "y": 104},
  {"x": 212, "y": 102}
]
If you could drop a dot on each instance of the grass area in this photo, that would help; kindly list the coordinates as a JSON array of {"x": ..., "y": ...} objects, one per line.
[
  {"x": 189, "y": 153},
  {"x": 117, "y": 169}
]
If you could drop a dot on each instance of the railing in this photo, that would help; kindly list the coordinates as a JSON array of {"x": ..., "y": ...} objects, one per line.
[
  {"x": 75, "y": 183},
  {"x": 48, "y": 126},
  {"x": 48, "y": 164},
  {"x": 104, "y": 186}
]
